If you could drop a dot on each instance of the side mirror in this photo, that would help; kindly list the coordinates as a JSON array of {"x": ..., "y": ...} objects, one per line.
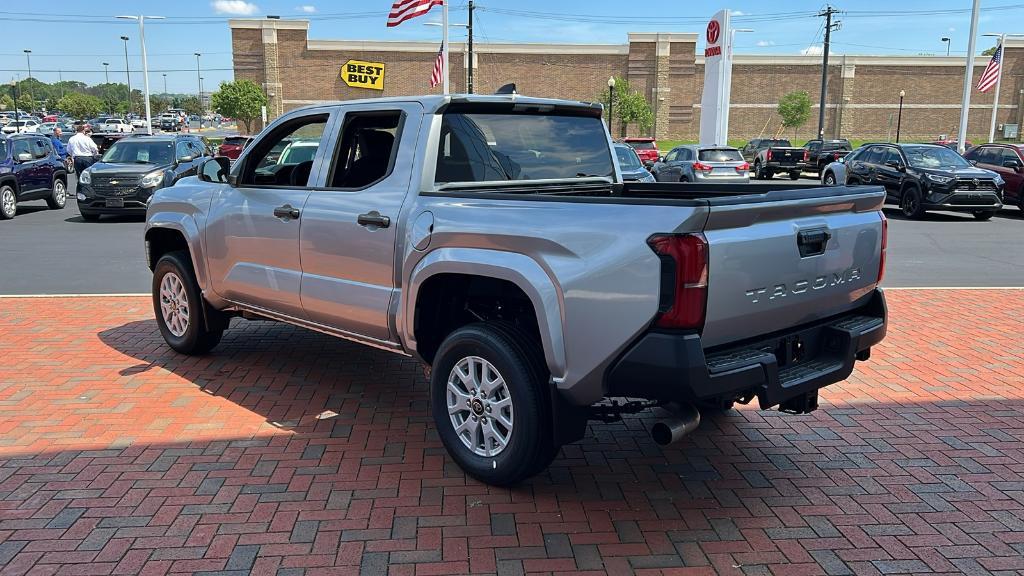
[
  {"x": 1012, "y": 164},
  {"x": 24, "y": 157},
  {"x": 648, "y": 164},
  {"x": 973, "y": 162},
  {"x": 895, "y": 164},
  {"x": 185, "y": 159},
  {"x": 215, "y": 170},
  {"x": 661, "y": 158}
]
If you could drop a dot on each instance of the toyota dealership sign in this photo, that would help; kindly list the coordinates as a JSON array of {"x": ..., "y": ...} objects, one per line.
[{"x": 714, "y": 103}]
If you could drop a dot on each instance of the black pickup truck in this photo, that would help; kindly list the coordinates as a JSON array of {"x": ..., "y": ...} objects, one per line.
[
  {"x": 821, "y": 153},
  {"x": 769, "y": 156}
]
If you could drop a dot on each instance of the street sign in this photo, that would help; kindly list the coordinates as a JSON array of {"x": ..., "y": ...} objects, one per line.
[{"x": 360, "y": 74}]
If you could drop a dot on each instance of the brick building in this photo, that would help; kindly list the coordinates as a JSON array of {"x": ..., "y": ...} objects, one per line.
[{"x": 863, "y": 92}]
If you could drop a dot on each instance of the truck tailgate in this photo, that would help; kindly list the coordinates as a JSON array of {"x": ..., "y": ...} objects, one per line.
[
  {"x": 784, "y": 156},
  {"x": 787, "y": 258}
]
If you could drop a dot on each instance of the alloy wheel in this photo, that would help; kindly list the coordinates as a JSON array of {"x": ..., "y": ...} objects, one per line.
[
  {"x": 909, "y": 203},
  {"x": 480, "y": 406},
  {"x": 174, "y": 305},
  {"x": 60, "y": 194},
  {"x": 8, "y": 202}
]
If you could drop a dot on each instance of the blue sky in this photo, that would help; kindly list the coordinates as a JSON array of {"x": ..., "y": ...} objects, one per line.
[{"x": 75, "y": 37}]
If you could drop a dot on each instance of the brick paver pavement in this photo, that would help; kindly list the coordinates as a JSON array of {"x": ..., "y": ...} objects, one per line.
[{"x": 289, "y": 452}]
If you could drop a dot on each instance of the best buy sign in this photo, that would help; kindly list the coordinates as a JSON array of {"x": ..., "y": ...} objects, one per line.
[{"x": 360, "y": 74}]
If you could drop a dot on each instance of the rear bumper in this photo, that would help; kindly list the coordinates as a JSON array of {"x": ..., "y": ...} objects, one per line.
[
  {"x": 777, "y": 368},
  {"x": 737, "y": 179}
]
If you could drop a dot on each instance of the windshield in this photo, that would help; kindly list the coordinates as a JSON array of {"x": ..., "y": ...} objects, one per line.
[
  {"x": 627, "y": 158},
  {"x": 934, "y": 157},
  {"x": 507, "y": 147},
  {"x": 720, "y": 155},
  {"x": 140, "y": 152},
  {"x": 641, "y": 144}
]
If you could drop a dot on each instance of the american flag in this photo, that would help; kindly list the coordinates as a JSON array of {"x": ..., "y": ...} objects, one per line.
[
  {"x": 403, "y": 10},
  {"x": 991, "y": 74},
  {"x": 438, "y": 73}
]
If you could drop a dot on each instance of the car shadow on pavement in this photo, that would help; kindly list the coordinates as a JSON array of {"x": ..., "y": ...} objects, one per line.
[{"x": 108, "y": 219}]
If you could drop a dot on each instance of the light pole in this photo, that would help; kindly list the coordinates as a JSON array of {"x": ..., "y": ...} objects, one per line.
[
  {"x": 899, "y": 116},
  {"x": 127, "y": 72},
  {"x": 145, "y": 63},
  {"x": 106, "y": 78},
  {"x": 611, "y": 101},
  {"x": 165, "y": 84},
  {"x": 199, "y": 75},
  {"x": 947, "y": 41},
  {"x": 14, "y": 94},
  {"x": 28, "y": 60}
]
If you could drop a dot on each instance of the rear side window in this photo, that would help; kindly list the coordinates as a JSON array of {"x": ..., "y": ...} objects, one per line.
[
  {"x": 830, "y": 146},
  {"x": 512, "y": 147},
  {"x": 719, "y": 155},
  {"x": 40, "y": 148}
]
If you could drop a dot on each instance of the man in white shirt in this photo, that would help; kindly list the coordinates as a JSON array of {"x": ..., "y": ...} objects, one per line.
[{"x": 82, "y": 149}]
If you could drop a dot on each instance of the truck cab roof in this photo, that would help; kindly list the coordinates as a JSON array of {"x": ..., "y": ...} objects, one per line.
[{"x": 436, "y": 104}]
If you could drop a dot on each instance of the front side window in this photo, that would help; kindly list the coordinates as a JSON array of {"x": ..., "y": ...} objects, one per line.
[
  {"x": 1008, "y": 156},
  {"x": 482, "y": 147},
  {"x": 20, "y": 147},
  {"x": 672, "y": 155},
  {"x": 140, "y": 152},
  {"x": 40, "y": 148},
  {"x": 285, "y": 156}
]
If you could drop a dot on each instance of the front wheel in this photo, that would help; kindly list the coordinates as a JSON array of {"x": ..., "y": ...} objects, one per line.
[
  {"x": 829, "y": 179},
  {"x": 59, "y": 196},
  {"x": 491, "y": 405},
  {"x": 8, "y": 202},
  {"x": 984, "y": 214},
  {"x": 179, "y": 306},
  {"x": 910, "y": 203}
]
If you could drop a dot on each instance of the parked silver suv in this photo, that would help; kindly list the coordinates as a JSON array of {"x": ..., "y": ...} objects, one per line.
[{"x": 710, "y": 164}]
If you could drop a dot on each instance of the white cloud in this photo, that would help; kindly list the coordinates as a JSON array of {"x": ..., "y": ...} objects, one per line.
[
  {"x": 307, "y": 8},
  {"x": 737, "y": 13},
  {"x": 234, "y": 7},
  {"x": 813, "y": 50},
  {"x": 951, "y": 29},
  {"x": 764, "y": 43}
]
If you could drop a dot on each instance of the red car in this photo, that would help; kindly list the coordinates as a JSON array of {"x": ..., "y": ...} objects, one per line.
[
  {"x": 646, "y": 148},
  {"x": 951, "y": 144},
  {"x": 1007, "y": 160},
  {"x": 233, "y": 146}
]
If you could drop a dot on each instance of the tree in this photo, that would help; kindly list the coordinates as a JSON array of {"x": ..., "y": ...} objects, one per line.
[
  {"x": 6, "y": 102},
  {"x": 191, "y": 105},
  {"x": 989, "y": 51},
  {"x": 241, "y": 99},
  {"x": 629, "y": 107},
  {"x": 80, "y": 105},
  {"x": 795, "y": 109}
]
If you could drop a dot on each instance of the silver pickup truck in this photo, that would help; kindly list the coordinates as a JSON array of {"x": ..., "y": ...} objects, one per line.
[{"x": 491, "y": 238}]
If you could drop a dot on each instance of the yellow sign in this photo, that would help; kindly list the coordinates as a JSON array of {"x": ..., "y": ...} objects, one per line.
[{"x": 359, "y": 74}]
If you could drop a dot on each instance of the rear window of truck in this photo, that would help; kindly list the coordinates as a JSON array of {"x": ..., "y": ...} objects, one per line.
[{"x": 509, "y": 147}]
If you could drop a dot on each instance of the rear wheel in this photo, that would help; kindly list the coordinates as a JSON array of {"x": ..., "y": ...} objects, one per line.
[
  {"x": 59, "y": 196},
  {"x": 179, "y": 306},
  {"x": 984, "y": 214},
  {"x": 491, "y": 405},
  {"x": 829, "y": 179},
  {"x": 8, "y": 202},
  {"x": 910, "y": 203},
  {"x": 758, "y": 172}
]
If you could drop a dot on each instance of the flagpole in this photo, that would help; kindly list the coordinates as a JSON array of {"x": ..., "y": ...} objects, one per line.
[
  {"x": 999, "y": 82},
  {"x": 965, "y": 106},
  {"x": 444, "y": 43}
]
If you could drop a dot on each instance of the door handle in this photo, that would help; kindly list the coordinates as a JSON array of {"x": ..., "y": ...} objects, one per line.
[
  {"x": 373, "y": 218},
  {"x": 286, "y": 212}
]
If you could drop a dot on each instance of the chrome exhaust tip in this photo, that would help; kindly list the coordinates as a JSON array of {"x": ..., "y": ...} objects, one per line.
[{"x": 675, "y": 422}]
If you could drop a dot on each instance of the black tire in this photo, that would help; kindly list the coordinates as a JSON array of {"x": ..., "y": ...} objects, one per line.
[
  {"x": 8, "y": 202},
  {"x": 984, "y": 214},
  {"x": 89, "y": 216},
  {"x": 58, "y": 194},
  {"x": 794, "y": 175},
  {"x": 1020, "y": 201},
  {"x": 530, "y": 448},
  {"x": 758, "y": 171},
  {"x": 196, "y": 338},
  {"x": 829, "y": 179},
  {"x": 910, "y": 203}
]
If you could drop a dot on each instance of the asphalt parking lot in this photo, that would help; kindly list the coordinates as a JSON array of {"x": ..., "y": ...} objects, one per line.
[{"x": 56, "y": 252}]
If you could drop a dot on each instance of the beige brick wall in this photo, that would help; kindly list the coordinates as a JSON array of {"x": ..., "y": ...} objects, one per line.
[{"x": 864, "y": 100}]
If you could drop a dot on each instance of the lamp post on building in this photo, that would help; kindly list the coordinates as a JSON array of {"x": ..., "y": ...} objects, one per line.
[
  {"x": 947, "y": 41},
  {"x": 611, "y": 101},
  {"x": 899, "y": 116},
  {"x": 145, "y": 64}
]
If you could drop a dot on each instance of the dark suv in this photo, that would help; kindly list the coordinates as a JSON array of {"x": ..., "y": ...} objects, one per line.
[
  {"x": 30, "y": 170},
  {"x": 132, "y": 169},
  {"x": 924, "y": 177}
]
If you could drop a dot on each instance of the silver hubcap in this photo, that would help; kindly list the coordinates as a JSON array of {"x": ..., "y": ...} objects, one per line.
[
  {"x": 8, "y": 201},
  {"x": 174, "y": 304},
  {"x": 480, "y": 406},
  {"x": 59, "y": 194}
]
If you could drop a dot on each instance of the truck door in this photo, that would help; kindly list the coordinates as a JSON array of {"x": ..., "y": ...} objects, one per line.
[
  {"x": 252, "y": 233},
  {"x": 350, "y": 221}
]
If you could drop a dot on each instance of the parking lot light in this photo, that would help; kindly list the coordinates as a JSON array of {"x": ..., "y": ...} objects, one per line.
[
  {"x": 145, "y": 65},
  {"x": 899, "y": 116},
  {"x": 611, "y": 100}
]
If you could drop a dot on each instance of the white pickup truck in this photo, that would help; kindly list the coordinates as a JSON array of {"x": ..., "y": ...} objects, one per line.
[
  {"x": 115, "y": 125},
  {"x": 491, "y": 237}
]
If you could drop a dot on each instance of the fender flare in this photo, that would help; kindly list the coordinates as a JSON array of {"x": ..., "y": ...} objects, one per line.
[
  {"x": 518, "y": 269},
  {"x": 185, "y": 225}
]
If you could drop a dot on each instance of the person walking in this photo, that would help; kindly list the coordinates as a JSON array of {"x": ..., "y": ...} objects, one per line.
[
  {"x": 82, "y": 149},
  {"x": 58, "y": 146}
]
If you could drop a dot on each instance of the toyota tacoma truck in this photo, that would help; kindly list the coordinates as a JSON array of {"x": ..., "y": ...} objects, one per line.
[
  {"x": 492, "y": 239},
  {"x": 770, "y": 157}
]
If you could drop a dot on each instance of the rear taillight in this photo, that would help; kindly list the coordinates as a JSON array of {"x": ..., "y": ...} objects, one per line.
[
  {"x": 807, "y": 155},
  {"x": 702, "y": 167},
  {"x": 743, "y": 167},
  {"x": 769, "y": 157},
  {"x": 684, "y": 279},
  {"x": 835, "y": 156},
  {"x": 885, "y": 243}
]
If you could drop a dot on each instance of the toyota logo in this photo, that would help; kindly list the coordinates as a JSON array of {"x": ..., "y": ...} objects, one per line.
[
  {"x": 714, "y": 29},
  {"x": 975, "y": 182}
]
